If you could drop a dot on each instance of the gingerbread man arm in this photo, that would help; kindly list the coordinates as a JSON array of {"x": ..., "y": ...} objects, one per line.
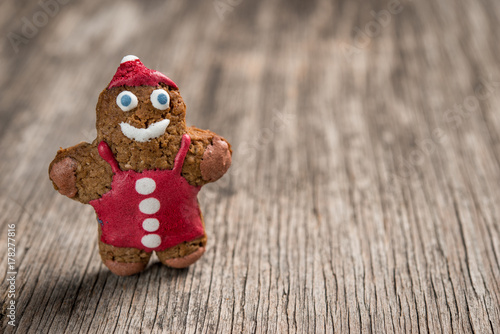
[
  {"x": 79, "y": 173},
  {"x": 208, "y": 159}
]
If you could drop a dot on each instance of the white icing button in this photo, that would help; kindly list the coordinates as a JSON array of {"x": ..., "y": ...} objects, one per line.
[
  {"x": 151, "y": 240},
  {"x": 149, "y": 206},
  {"x": 128, "y": 58},
  {"x": 145, "y": 186},
  {"x": 151, "y": 224}
]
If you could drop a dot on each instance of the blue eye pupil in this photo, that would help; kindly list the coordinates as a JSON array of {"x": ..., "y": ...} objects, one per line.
[
  {"x": 162, "y": 98},
  {"x": 126, "y": 100}
]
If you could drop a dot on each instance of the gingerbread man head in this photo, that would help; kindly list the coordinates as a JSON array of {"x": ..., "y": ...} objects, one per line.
[{"x": 141, "y": 112}]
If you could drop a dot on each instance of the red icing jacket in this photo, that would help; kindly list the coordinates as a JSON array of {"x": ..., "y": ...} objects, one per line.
[{"x": 153, "y": 210}]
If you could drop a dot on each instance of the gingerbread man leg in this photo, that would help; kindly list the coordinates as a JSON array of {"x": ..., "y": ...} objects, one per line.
[
  {"x": 123, "y": 261},
  {"x": 184, "y": 254}
]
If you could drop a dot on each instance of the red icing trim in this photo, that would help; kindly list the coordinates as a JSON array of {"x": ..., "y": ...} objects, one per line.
[
  {"x": 119, "y": 210},
  {"x": 181, "y": 155},
  {"x": 134, "y": 73},
  {"x": 106, "y": 153}
]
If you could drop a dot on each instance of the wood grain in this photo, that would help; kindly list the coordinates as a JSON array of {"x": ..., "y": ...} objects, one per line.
[{"x": 363, "y": 195}]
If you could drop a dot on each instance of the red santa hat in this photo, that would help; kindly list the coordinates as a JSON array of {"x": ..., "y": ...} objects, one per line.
[{"x": 132, "y": 72}]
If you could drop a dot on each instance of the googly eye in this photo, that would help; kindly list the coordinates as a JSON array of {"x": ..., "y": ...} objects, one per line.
[
  {"x": 126, "y": 100},
  {"x": 160, "y": 99}
]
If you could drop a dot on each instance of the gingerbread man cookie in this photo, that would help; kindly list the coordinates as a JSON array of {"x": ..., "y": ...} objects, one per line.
[{"x": 143, "y": 172}]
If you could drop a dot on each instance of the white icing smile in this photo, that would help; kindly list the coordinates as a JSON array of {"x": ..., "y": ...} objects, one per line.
[{"x": 143, "y": 135}]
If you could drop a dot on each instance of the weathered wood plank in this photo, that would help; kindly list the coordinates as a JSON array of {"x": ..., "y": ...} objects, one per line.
[{"x": 363, "y": 191}]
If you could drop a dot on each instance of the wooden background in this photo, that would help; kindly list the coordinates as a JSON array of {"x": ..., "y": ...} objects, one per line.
[{"x": 363, "y": 194}]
